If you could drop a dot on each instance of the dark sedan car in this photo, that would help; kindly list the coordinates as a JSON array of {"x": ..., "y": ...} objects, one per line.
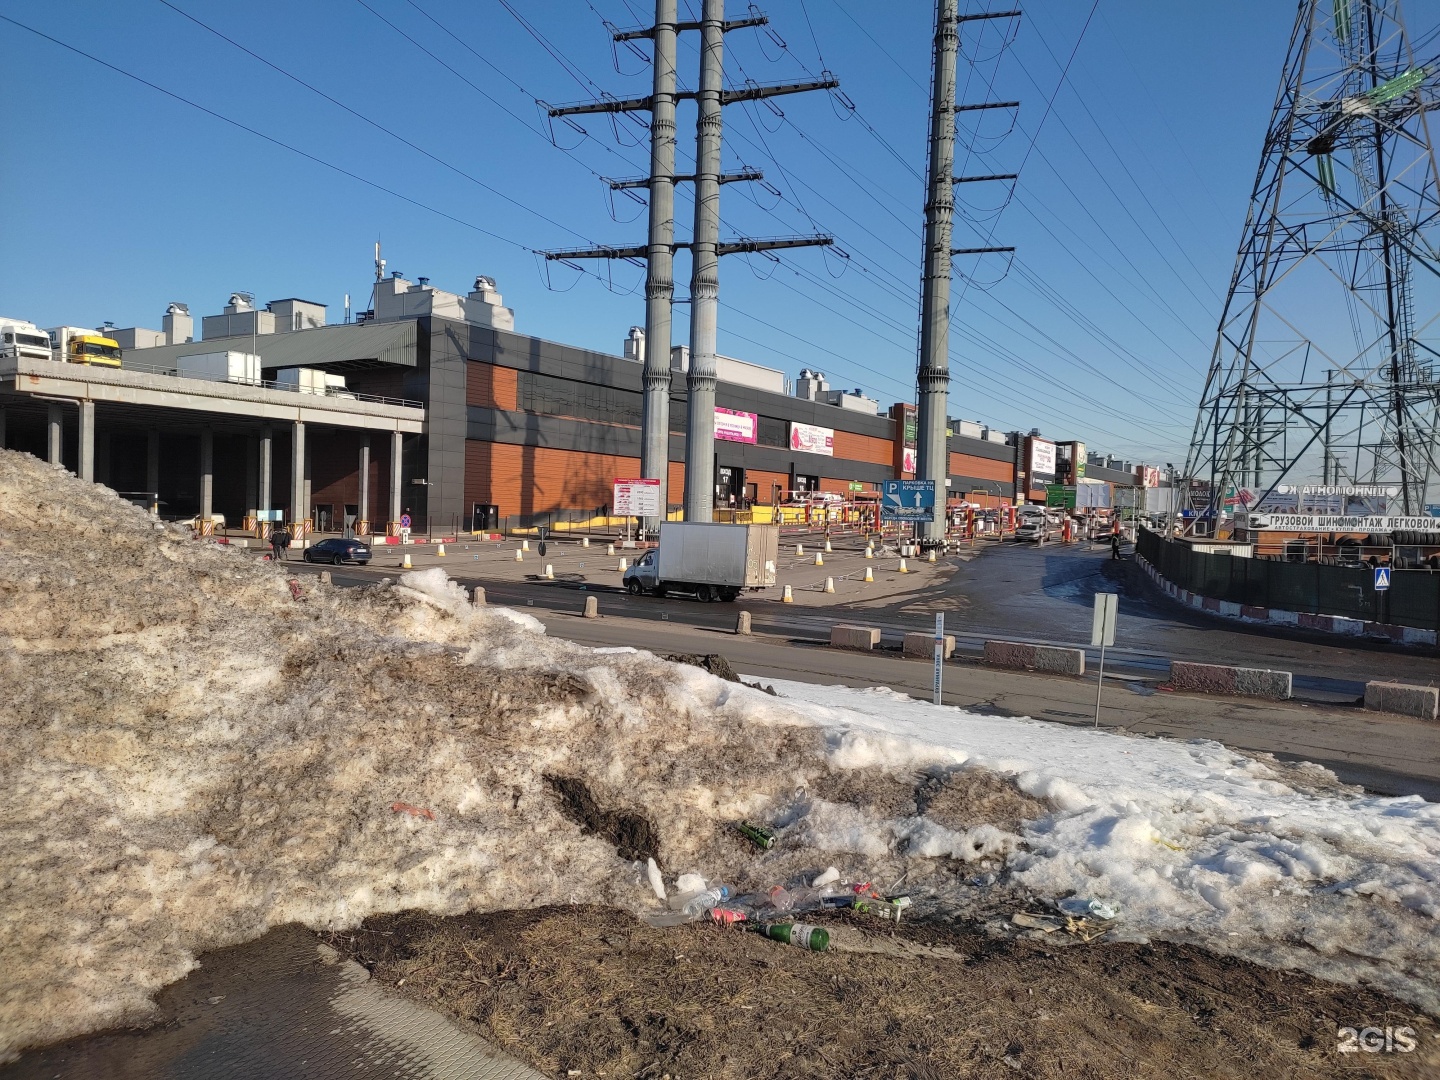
[{"x": 338, "y": 551}]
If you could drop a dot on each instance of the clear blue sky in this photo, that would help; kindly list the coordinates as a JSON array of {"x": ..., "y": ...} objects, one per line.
[{"x": 118, "y": 199}]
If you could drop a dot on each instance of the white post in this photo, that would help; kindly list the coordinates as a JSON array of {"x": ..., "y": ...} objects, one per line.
[{"x": 939, "y": 656}]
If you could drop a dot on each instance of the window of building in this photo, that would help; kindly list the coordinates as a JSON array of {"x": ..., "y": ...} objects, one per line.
[
  {"x": 772, "y": 432},
  {"x": 553, "y": 396}
]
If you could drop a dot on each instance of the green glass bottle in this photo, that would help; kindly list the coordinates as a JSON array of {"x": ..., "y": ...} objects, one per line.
[{"x": 802, "y": 935}]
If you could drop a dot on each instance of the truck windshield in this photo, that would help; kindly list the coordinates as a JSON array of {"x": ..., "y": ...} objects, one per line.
[
  {"x": 35, "y": 340},
  {"x": 110, "y": 352}
]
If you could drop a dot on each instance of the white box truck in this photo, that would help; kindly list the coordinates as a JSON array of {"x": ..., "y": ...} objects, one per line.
[
  {"x": 712, "y": 560},
  {"x": 312, "y": 381},
  {"x": 231, "y": 367}
]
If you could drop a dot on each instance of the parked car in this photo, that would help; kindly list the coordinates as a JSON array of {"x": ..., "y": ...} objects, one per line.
[{"x": 336, "y": 552}]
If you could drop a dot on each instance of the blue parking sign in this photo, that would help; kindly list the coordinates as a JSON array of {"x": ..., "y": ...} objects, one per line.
[
  {"x": 1382, "y": 578},
  {"x": 907, "y": 500}
]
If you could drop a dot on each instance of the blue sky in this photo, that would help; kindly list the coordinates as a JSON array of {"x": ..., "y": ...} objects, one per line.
[{"x": 118, "y": 199}]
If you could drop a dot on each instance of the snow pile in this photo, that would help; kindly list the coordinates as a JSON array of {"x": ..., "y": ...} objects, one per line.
[
  {"x": 198, "y": 748},
  {"x": 1194, "y": 841}
]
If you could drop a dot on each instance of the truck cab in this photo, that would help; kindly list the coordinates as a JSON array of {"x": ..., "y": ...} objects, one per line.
[
  {"x": 23, "y": 340},
  {"x": 644, "y": 576},
  {"x": 77, "y": 345}
]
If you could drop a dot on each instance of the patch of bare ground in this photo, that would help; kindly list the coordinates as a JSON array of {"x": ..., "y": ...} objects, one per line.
[{"x": 593, "y": 990}]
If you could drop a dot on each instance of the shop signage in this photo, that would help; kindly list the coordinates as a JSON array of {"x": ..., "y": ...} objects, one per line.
[
  {"x": 809, "y": 439},
  {"x": 731, "y": 426}
]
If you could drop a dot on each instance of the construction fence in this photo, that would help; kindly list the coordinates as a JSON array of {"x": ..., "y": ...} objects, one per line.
[{"x": 1413, "y": 598}]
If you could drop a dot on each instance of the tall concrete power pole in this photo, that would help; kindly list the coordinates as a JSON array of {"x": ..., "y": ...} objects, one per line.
[
  {"x": 934, "y": 373},
  {"x": 934, "y": 369},
  {"x": 705, "y": 270},
  {"x": 705, "y": 245}
]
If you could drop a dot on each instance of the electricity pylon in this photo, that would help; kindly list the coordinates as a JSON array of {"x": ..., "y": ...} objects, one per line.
[{"x": 1324, "y": 368}]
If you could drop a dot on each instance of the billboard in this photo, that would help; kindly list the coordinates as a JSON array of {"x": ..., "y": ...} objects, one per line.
[
  {"x": 907, "y": 460},
  {"x": 1149, "y": 476},
  {"x": 1060, "y": 495},
  {"x": 637, "y": 498},
  {"x": 731, "y": 426},
  {"x": 809, "y": 439},
  {"x": 1042, "y": 459}
]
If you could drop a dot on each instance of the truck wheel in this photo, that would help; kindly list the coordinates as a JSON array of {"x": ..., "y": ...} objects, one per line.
[
  {"x": 704, "y": 593},
  {"x": 729, "y": 595},
  {"x": 633, "y": 587}
]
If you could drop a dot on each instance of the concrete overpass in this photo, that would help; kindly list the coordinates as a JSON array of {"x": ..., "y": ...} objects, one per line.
[{"x": 153, "y": 399}]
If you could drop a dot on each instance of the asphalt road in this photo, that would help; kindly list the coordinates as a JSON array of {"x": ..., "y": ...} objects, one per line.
[{"x": 1015, "y": 592}]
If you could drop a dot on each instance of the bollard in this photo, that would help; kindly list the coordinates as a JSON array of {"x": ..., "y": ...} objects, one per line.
[
  {"x": 549, "y": 572},
  {"x": 903, "y": 568},
  {"x": 742, "y": 623},
  {"x": 477, "y": 596},
  {"x": 932, "y": 554},
  {"x": 324, "y": 577},
  {"x": 609, "y": 549},
  {"x": 830, "y": 584},
  {"x": 819, "y": 559},
  {"x": 828, "y": 549},
  {"x": 524, "y": 545},
  {"x": 519, "y": 555},
  {"x": 584, "y": 541},
  {"x": 869, "y": 553},
  {"x": 624, "y": 566},
  {"x": 441, "y": 549},
  {"x": 405, "y": 564},
  {"x": 592, "y": 607},
  {"x": 799, "y": 549},
  {"x": 787, "y": 597},
  {"x": 868, "y": 575}
]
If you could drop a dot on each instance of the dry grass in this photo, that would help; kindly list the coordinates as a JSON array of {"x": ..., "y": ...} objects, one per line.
[{"x": 591, "y": 989}]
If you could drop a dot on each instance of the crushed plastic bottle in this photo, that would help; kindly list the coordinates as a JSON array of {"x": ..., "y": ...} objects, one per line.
[{"x": 700, "y": 903}]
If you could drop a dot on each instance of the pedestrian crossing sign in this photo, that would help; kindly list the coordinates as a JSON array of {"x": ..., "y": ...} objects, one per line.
[{"x": 1382, "y": 578}]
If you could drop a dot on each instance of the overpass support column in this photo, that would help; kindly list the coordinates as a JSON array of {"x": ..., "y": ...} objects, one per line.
[
  {"x": 207, "y": 474},
  {"x": 397, "y": 443},
  {"x": 266, "y": 458},
  {"x": 2, "y": 427},
  {"x": 55, "y": 445},
  {"x": 86, "y": 445},
  {"x": 152, "y": 468},
  {"x": 364, "y": 496},
  {"x": 297, "y": 473}
]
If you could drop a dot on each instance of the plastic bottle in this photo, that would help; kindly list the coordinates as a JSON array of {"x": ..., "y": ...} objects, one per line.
[
  {"x": 700, "y": 903},
  {"x": 780, "y": 898},
  {"x": 801, "y": 935}
]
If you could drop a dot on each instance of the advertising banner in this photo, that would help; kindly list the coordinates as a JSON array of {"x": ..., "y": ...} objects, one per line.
[
  {"x": 1346, "y": 523},
  {"x": 637, "y": 498},
  {"x": 1150, "y": 476},
  {"x": 809, "y": 439},
  {"x": 1042, "y": 460},
  {"x": 731, "y": 426},
  {"x": 907, "y": 460}
]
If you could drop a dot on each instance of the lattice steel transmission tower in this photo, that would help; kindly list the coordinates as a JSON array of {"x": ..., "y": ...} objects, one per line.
[{"x": 1325, "y": 364}]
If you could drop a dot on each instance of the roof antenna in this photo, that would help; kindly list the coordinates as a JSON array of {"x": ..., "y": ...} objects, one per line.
[{"x": 379, "y": 263}]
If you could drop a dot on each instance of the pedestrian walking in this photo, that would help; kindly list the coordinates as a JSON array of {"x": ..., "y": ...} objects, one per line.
[
  {"x": 276, "y": 548},
  {"x": 282, "y": 540},
  {"x": 1115, "y": 545}
]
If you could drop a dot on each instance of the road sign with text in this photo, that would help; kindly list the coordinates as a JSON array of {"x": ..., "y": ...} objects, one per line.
[{"x": 908, "y": 500}]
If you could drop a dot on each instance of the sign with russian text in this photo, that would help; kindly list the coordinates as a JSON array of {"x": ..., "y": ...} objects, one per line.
[
  {"x": 731, "y": 426},
  {"x": 637, "y": 498},
  {"x": 810, "y": 439},
  {"x": 1341, "y": 523},
  {"x": 908, "y": 500},
  {"x": 1042, "y": 459}
]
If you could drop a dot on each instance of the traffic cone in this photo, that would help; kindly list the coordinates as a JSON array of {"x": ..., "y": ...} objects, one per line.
[
  {"x": 524, "y": 545},
  {"x": 830, "y": 584},
  {"x": 819, "y": 559},
  {"x": 441, "y": 549},
  {"x": 624, "y": 566},
  {"x": 868, "y": 575},
  {"x": 787, "y": 597},
  {"x": 549, "y": 572},
  {"x": 405, "y": 563},
  {"x": 903, "y": 568},
  {"x": 519, "y": 555}
]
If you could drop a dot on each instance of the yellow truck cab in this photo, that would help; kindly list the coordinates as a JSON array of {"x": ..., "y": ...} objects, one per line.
[{"x": 76, "y": 345}]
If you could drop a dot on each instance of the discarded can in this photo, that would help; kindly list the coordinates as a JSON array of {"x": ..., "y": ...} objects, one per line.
[
  {"x": 726, "y": 916},
  {"x": 802, "y": 935},
  {"x": 762, "y": 838},
  {"x": 886, "y": 909}
]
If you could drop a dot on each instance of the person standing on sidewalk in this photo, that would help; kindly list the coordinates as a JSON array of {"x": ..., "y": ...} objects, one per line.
[{"x": 281, "y": 542}]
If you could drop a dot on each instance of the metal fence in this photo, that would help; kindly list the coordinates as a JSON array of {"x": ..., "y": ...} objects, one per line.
[{"x": 1413, "y": 598}]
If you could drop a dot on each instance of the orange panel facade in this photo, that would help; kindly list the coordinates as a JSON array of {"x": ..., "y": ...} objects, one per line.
[
  {"x": 491, "y": 386},
  {"x": 853, "y": 447},
  {"x": 532, "y": 480},
  {"x": 981, "y": 468}
]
